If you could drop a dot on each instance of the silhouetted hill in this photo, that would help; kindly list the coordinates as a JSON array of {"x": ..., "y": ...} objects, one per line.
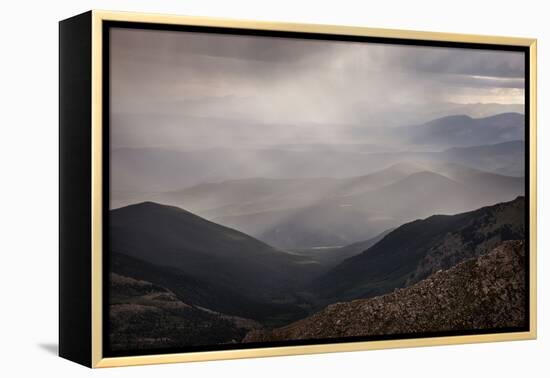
[{"x": 169, "y": 236}]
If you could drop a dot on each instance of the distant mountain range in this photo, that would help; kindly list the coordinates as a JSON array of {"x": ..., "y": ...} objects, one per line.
[
  {"x": 465, "y": 131},
  {"x": 139, "y": 172},
  {"x": 483, "y": 293},
  {"x": 506, "y": 158},
  {"x": 328, "y": 213}
]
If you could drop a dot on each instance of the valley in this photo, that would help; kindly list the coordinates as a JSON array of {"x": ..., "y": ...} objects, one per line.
[{"x": 178, "y": 268}]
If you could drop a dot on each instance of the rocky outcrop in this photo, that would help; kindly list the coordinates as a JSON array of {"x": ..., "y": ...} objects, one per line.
[{"x": 486, "y": 292}]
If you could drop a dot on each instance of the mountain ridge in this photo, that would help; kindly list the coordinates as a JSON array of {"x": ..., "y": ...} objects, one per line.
[
  {"x": 465, "y": 131},
  {"x": 170, "y": 236},
  {"x": 421, "y": 247}
]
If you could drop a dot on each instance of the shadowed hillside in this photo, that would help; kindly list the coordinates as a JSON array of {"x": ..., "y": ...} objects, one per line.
[
  {"x": 201, "y": 292},
  {"x": 169, "y": 236},
  {"x": 417, "y": 249}
]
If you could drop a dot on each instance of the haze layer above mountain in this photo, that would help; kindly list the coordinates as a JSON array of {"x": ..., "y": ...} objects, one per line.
[
  {"x": 497, "y": 142},
  {"x": 328, "y": 212}
]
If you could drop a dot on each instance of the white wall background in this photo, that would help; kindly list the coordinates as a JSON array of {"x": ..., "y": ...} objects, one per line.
[{"x": 28, "y": 201}]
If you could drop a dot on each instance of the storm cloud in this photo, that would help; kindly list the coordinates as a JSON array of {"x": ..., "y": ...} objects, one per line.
[{"x": 198, "y": 89}]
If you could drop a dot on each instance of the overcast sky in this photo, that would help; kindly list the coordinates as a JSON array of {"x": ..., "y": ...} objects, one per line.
[{"x": 179, "y": 88}]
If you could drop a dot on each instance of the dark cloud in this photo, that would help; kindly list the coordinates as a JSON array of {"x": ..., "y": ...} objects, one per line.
[
  {"x": 301, "y": 86},
  {"x": 170, "y": 45},
  {"x": 474, "y": 81},
  {"x": 459, "y": 61}
]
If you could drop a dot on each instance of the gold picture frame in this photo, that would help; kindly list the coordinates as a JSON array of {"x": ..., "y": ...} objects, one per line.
[{"x": 94, "y": 24}]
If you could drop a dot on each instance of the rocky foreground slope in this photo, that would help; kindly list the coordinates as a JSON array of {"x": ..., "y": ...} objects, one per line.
[
  {"x": 143, "y": 315},
  {"x": 480, "y": 293}
]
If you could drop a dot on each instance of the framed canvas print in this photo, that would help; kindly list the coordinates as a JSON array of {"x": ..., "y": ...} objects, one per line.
[{"x": 235, "y": 189}]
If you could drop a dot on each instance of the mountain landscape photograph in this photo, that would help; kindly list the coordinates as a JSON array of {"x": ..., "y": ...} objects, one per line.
[{"x": 281, "y": 191}]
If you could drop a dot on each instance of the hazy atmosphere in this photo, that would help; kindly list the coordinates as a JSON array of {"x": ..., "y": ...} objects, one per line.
[
  {"x": 257, "y": 180},
  {"x": 186, "y": 92},
  {"x": 173, "y": 89}
]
